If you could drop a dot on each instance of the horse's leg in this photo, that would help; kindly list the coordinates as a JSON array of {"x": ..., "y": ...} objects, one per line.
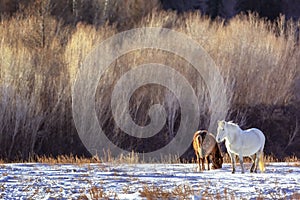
[
  {"x": 198, "y": 161},
  {"x": 208, "y": 159},
  {"x": 253, "y": 163},
  {"x": 232, "y": 158},
  {"x": 202, "y": 162},
  {"x": 241, "y": 163},
  {"x": 256, "y": 161}
]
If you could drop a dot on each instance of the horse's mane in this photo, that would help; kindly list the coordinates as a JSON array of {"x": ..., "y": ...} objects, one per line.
[
  {"x": 234, "y": 124},
  {"x": 229, "y": 122}
]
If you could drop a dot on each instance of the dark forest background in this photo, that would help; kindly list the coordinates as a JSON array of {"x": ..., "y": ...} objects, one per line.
[
  {"x": 43, "y": 42},
  {"x": 99, "y": 11}
]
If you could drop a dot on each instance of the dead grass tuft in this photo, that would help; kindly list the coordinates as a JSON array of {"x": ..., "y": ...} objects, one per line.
[
  {"x": 99, "y": 193},
  {"x": 155, "y": 192},
  {"x": 64, "y": 159}
]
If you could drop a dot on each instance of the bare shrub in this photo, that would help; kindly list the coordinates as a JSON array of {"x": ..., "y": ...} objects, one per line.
[
  {"x": 40, "y": 58},
  {"x": 35, "y": 90}
]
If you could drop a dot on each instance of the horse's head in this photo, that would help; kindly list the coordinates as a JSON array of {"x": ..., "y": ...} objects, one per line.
[
  {"x": 217, "y": 163},
  {"x": 217, "y": 160},
  {"x": 221, "y": 133}
]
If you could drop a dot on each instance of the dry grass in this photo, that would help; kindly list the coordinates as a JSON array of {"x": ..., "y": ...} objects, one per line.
[
  {"x": 60, "y": 159},
  {"x": 124, "y": 158},
  {"x": 99, "y": 193},
  {"x": 155, "y": 192},
  {"x": 65, "y": 159},
  {"x": 129, "y": 158},
  {"x": 295, "y": 196},
  {"x": 136, "y": 158},
  {"x": 178, "y": 192}
]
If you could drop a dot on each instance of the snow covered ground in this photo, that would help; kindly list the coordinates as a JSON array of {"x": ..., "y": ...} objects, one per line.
[{"x": 128, "y": 181}]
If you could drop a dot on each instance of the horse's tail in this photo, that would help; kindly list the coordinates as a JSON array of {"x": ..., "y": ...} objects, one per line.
[
  {"x": 197, "y": 144},
  {"x": 261, "y": 163},
  {"x": 200, "y": 149}
]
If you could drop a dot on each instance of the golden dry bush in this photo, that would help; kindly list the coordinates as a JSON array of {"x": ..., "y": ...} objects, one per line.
[
  {"x": 41, "y": 56},
  {"x": 154, "y": 192},
  {"x": 84, "y": 39},
  {"x": 34, "y": 85}
]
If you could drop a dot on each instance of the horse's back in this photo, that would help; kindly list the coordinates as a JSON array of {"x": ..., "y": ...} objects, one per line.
[
  {"x": 253, "y": 133},
  {"x": 209, "y": 143},
  {"x": 204, "y": 140},
  {"x": 253, "y": 141}
]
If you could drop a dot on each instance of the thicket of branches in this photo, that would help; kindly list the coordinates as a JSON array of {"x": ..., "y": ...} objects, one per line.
[
  {"x": 123, "y": 12},
  {"x": 42, "y": 51}
]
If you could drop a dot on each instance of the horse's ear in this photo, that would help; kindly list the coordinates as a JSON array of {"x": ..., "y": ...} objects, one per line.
[{"x": 221, "y": 123}]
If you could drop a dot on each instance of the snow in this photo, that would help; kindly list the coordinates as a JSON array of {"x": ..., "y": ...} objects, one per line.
[{"x": 125, "y": 181}]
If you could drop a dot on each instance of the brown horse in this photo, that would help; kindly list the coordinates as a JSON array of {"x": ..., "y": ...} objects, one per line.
[{"x": 206, "y": 148}]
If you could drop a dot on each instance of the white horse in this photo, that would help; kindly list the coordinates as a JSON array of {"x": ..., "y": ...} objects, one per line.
[{"x": 240, "y": 142}]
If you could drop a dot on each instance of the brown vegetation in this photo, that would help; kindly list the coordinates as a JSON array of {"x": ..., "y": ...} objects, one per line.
[
  {"x": 40, "y": 56},
  {"x": 154, "y": 192}
]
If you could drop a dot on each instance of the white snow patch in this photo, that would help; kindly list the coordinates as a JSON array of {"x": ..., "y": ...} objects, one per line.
[{"x": 67, "y": 181}]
